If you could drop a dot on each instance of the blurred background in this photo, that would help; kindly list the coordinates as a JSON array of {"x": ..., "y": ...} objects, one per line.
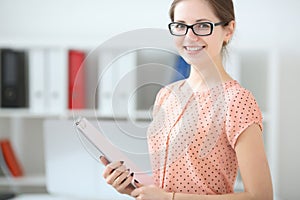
[{"x": 266, "y": 42}]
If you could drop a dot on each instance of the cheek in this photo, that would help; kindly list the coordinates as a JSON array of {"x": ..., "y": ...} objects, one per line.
[
  {"x": 178, "y": 42},
  {"x": 214, "y": 46}
]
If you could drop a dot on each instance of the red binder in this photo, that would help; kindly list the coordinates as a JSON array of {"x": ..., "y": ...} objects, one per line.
[
  {"x": 10, "y": 158},
  {"x": 76, "y": 80}
]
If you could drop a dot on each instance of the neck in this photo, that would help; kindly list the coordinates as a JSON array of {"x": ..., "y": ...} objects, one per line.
[{"x": 207, "y": 75}]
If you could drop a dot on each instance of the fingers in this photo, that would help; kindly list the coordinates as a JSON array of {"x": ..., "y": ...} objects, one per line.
[
  {"x": 120, "y": 179},
  {"x": 113, "y": 170},
  {"x": 115, "y": 175},
  {"x": 137, "y": 184},
  {"x": 104, "y": 160},
  {"x": 118, "y": 176},
  {"x": 122, "y": 182},
  {"x": 114, "y": 166}
]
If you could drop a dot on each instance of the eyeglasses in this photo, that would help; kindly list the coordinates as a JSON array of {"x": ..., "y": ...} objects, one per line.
[{"x": 200, "y": 29}]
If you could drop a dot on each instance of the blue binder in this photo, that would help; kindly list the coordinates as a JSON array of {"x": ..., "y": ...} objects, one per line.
[{"x": 182, "y": 69}]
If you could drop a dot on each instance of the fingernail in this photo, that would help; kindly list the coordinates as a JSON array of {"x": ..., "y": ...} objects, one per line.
[
  {"x": 132, "y": 173},
  {"x": 122, "y": 162},
  {"x": 136, "y": 181}
]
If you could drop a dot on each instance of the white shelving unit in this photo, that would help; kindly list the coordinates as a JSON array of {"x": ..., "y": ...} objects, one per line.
[
  {"x": 33, "y": 181},
  {"x": 25, "y": 133},
  {"x": 24, "y": 127},
  {"x": 255, "y": 69}
]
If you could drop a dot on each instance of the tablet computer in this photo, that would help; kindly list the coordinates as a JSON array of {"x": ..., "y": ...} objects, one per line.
[{"x": 106, "y": 148}]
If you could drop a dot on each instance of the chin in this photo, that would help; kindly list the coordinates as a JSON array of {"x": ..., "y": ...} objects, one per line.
[{"x": 197, "y": 59}]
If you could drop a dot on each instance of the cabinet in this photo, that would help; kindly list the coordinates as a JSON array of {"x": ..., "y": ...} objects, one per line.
[
  {"x": 135, "y": 93},
  {"x": 149, "y": 69},
  {"x": 25, "y": 133}
]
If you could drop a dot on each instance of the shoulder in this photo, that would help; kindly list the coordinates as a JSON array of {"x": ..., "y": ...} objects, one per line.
[
  {"x": 166, "y": 90},
  {"x": 163, "y": 94},
  {"x": 242, "y": 112},
  {"x": 237, "y": 94},
  {"x": 242, "y": 105},
  {"x": 174, "y": 85}
]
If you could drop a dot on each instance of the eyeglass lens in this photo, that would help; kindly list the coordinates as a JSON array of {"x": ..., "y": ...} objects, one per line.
[{"x": 204, "y": 28}]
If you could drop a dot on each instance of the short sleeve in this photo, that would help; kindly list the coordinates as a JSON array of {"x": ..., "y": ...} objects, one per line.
[{"x": 242, "y": 112}]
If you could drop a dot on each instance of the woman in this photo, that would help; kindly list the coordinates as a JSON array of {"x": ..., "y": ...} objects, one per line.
[{"x": 205, "y": 127}]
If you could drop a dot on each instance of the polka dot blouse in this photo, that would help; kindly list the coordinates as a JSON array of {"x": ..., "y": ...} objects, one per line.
[{"x": 193, "y": 134}]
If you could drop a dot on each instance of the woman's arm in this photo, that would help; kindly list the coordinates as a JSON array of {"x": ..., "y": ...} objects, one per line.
[
  {"x": 254, "y": 170},
  {"x": 253, "y": 164}
]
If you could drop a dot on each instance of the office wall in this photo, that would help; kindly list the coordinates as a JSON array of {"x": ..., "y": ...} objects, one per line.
[
  {"x": 71, "y": 20},
  {"x": 259, "y": 23},
  {"x": 289, "y": 163},
  {"x": 271, "y": 23}
]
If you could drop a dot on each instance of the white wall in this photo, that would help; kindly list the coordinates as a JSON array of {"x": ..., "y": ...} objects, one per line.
[
  {"x": 70, "y": 20},
  {"x": 289, "y": 163},
  {"x": 268, "y": 23},
  {"x": 260, "y": 24}
]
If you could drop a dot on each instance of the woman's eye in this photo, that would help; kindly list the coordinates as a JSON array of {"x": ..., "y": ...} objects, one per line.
[
  {"x": 203, "y": 26},
  {"x": 180, "y": 26}
]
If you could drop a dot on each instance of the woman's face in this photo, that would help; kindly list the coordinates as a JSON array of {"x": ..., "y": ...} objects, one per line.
[{"x": 195, "y": 48}]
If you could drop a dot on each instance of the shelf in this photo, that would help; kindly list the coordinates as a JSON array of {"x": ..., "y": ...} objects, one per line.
[
  {"x": 26, "y": 113},
  {"x": 69, "y": 114},
  {"x": 32, "y": 180}
]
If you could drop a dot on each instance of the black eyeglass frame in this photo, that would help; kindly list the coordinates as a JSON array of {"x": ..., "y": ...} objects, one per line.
[{"x": 212, "y": 25}]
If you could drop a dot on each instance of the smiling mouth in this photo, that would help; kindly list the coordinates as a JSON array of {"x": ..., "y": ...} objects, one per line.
[{"x": 194, "y": 49}]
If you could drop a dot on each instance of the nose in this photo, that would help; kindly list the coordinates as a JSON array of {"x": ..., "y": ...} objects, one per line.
[{"x": 191, "y": 35}]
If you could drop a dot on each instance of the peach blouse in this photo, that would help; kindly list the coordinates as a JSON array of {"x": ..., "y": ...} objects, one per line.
[{"x": 193, "y": 134}]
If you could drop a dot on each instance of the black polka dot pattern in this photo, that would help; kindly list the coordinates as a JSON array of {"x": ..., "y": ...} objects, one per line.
[{"x": 193, "y": 135}]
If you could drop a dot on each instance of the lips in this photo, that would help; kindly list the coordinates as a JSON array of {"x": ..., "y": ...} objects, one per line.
[{"x": 194, "y": 48}]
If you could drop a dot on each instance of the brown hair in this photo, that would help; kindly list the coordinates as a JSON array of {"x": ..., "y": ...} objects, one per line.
[{"x": 223, "y": 9}]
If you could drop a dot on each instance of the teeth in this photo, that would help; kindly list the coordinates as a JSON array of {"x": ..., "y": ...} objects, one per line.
[{"x": 194, "y": 48}]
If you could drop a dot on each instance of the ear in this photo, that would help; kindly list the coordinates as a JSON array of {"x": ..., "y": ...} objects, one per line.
[{"x": 229, "y": 31}]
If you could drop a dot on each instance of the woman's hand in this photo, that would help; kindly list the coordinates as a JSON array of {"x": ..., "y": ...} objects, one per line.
[
  {"x": 151, "y": 192},
  {"x": 118, "y": 176}
]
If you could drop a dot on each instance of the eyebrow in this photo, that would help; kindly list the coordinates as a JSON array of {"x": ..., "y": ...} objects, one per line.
[{"x": 198, "y": 20}]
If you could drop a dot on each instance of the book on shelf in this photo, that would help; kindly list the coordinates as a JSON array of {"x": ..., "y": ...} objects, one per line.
[
  {"x": 37, "y": 84},
  {"x": 10, "y": 159},
  {"x": 76, "y": 79},
  {"x": 7, "y": 195},
  {"x": 182, "y": 69},
  {"x": 105, "y": 83},
  {"x": 5, "y": 174},
  {"x": 14, "y": 80},
  {"x": 117, "y": 84},
  {"x": 4, "y": 170},
  {"x": 56, "y": 80}
]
